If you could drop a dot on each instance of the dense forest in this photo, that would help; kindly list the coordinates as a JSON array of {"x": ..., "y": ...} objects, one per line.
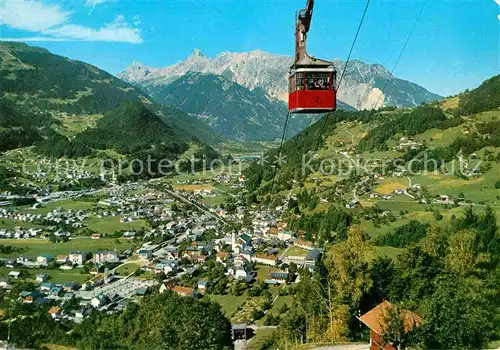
[
  {"x": 484, "y": 98},
  {"x": 410, "y": 123},
  {"x": 159, "y": 321}
]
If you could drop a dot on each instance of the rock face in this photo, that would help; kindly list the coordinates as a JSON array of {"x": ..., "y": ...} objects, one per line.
[{"x": 361, "y": 87}]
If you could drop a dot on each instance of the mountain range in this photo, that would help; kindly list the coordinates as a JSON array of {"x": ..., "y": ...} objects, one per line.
[
  {"x": 243, "y": 95},
  {"x": 361, "y": 87}
]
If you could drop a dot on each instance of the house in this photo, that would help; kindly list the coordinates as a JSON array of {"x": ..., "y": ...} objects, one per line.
[
  {"x": 77, "y": 258},
  {"x": 61, "y": 259},
  {"x": 243, "y": 275},
  {"x": 11, "y": 263},
  {"x": 81, "y": 313},
  {"x": 278, "y": 277},
  {"x": 184, "y": 291},
  {"x": 303, "y": 244},
  {"x": 55, "y": 311},
  {"x": 56, "y": 291},
  {"x": 312, "y": 256},
  {"x": 99, "y": 301},
  {"x": 202, "y": 285},
  {"x": 353, "y": 204},
  {"x": 15, "y": 274},
  {"x": 265, "y": 259},
  {"x": 101, "y": 257},
  {"x": 44, "y": 259},
  {"x": 244, "y": 239},
  {"x": 70, "y": 286},
  {"x": 221, "y": 257},
  {"x": 96, "y": 236},
  {"x": 374, "y": 320},
  {"x": 41, "y": 277},
  {"x": 284, "y": 235},
  {"x": 145, "y": 253},
  {"x": 30, "y": 297},
  {"x": 5, "y": 284},
  {"x": 46, "y": 286}
]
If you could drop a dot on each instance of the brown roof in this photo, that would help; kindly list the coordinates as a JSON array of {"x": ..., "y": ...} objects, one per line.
[
  {"x": 222, "y": 254},
  {"x": 54, "y": 310},
  {"x": 374, "y": 318},
  {"x": 183, "y": 290},
  {"x": 304, "y": 243},
  {"x": 266, "y": 256}
]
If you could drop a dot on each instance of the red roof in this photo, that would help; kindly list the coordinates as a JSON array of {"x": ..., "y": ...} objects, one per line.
[{"x": 374, "y": 319}]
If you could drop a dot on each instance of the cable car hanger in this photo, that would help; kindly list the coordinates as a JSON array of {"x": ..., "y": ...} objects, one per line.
[{"x": 312, "y": 81}]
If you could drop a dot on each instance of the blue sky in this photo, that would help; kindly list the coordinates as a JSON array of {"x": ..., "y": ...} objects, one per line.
[{"x": 456, "y": 44}]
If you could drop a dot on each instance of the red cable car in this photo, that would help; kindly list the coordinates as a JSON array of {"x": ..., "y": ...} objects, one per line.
[{"x": 312, "y": 81}]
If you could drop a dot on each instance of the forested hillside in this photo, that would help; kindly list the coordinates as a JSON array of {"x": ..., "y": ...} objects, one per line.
[
  {"x": 40, "y": 89},
  {"x": 232, "y": 109},
  {"x": 159, "y": 321}
]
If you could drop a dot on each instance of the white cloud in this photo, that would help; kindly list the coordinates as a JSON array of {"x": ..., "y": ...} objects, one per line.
[
  {"x": 119, "y": 31},
  {"x": 34, "y": 38},
  {"x": 31, "y": 15},
  {"x": 50, "y": 22}
]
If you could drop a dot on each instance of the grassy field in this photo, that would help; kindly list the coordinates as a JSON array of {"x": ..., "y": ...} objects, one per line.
[
  {"x": 264, "y": 271},
  {"x": 229, "y": 303},
  {"x": 128, "y": 268},
  {"x": 296, "y": 251},
  {"x": 388, "y": 186},
  {"x": 244, "y": 315},
  {"x": 35, "y": 247},
  {"x": 55, "y": 276},
  {"x": 280, "y": 301},
  {"x": 261, "y": 335},
  {"x": 63, "y": 204},
  {"x": 111, "y": 224},
  {"x": 10, "y": 224},
  {"x": 214, "y": 200},
  {"x": 390, "y": 252},
  {"x": 192, "y": 188}
]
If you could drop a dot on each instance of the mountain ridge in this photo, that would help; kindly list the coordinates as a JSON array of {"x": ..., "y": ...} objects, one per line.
[{"x": 362, "y": 86}]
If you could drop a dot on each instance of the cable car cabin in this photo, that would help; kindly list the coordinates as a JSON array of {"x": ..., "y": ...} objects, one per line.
[{"x": 312, "y": 89}]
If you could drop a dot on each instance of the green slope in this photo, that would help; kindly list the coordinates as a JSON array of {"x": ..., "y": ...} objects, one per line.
[{"x": 38, "y": 82}]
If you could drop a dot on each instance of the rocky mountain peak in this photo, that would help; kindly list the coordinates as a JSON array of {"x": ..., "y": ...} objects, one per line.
[{"x": 361, "y": 87}]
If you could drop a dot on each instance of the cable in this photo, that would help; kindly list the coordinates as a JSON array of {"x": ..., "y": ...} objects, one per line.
[
  {"x": 401, "y": 52},
  {"x": 344, "y": 69}
]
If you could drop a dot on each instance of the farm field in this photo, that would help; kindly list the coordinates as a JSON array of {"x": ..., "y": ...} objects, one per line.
[
  {"x": 111, "y": 224},
  {"x": 35, "y": 247},
  {"x": 10, "y": 224},
  {"x": 192, "y": 188},
  {"x": 55, "y": 276},
  {"x": 63, "y": 204}
]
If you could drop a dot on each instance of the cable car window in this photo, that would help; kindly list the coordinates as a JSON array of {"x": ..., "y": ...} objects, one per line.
[
  {"x": 300, "y": 81},
  {"x": 318, "y": 81}
]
